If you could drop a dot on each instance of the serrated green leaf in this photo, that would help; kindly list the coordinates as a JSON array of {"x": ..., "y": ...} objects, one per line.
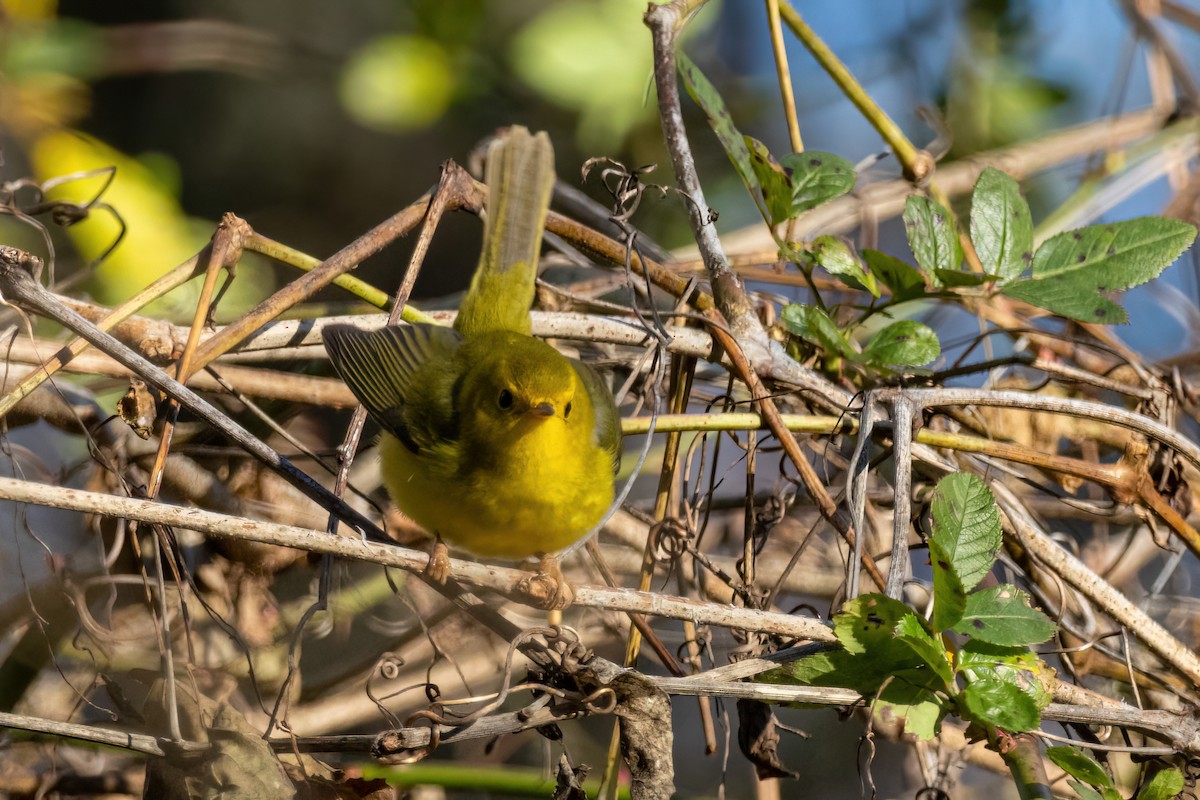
[
  {"x": 863, "y": 673},
  {"x": 921, "y": 709},
  {"x": 1001, "y": 226},
  {"x": 814, "y": 325},
  {"x": 912, "y": 631},
  {"x": 721, "y": 122},
  {"x": 1084, "y": 791},
  {"x": 1017, "y": 665},
  {"x": 773, "y": 180},
  {"x": 996, "y": 702},
  {"x": 967, "y": 524},
  {"x": 1074, "y": 271},
  {"x": 1079, "y": 764},
  {"x": 1002, "y": 615},
  {"x": 817, "y": 178},
  {"x": 1165, "y": 784},
  {"x": 949, "y": 596},
  {"x": 836, "y": 256},
  {"x": 868, "y": 622},
  {"x": 905, "y": 343},
  {"x": 903, "y": 281},
  {"x": 931, "y": 235}
]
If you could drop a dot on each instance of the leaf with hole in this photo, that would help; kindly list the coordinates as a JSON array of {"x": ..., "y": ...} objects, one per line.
[
  {"x": 868, "y": 622},
  {"x": 931, "y": 235},
  {"x": 949, "y": 596},
  {"x": 1001, "y": 226},
  {"x": 817, "y": 178},
  {"x": 773, "y": 181},
  {"x": 1002, "y": 615},
  {"x": 719, "y": 119},
  {"x": 1075, "y": 272}
]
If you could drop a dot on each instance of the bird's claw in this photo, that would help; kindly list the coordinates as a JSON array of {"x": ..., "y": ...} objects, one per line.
[
  {"x": 547, "y": 588},
  {"x": 438, "y": 568}
]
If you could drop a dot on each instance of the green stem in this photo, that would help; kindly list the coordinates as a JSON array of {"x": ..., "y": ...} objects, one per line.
[
  {"x": 361, "y": 289},
  {"x": 1024, "y": 760},
  {"x": 917, "y": 165}
]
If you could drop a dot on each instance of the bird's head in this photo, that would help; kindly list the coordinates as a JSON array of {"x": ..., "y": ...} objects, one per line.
[{"x": 528, "y": 384}]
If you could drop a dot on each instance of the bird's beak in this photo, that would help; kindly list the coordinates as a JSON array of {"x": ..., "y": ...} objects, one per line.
[{"x": 544, "y": 409}]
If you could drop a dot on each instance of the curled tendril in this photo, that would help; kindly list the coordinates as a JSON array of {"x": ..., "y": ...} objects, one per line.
[
  {"x": 389, "y": 665},
  {"x": 623, "y": 185},
  {"x": 26, "y": 206},
  {"x": 669, "y": 539}
]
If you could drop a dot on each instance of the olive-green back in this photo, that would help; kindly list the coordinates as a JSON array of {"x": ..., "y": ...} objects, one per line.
[{"x": 520, "y": 178}]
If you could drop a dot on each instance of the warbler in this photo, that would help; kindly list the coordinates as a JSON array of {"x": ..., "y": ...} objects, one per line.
[{"x": 492, "y": 439}]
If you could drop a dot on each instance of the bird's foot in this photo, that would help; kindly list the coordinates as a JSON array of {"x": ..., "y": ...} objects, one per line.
[
  {"x": 547, "y": 588},
  {"x": 438, "y": 568}
]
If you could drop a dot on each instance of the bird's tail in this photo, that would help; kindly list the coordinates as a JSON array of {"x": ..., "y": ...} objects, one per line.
[{"x": 520, "y": 177}]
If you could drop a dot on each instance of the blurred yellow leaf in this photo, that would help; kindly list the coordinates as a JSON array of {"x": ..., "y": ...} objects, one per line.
[
  {"x": 157, "y": 236},
  {"x": 398, "y": 83}
]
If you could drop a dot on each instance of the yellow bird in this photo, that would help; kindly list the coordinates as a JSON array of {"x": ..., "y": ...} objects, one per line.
[{"x": 492, "y": 439}]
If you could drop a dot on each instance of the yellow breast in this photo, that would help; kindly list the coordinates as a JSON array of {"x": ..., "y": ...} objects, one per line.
[{"x": 537, "y": 493}]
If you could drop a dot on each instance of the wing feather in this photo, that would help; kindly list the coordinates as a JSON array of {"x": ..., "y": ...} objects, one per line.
[{"x": 394, "y": 369}]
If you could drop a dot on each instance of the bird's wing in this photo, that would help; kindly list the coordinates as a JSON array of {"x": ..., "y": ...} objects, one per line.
[
  {"x": 398, "y": 372},
  {"x": 520, "y": 178},
  {"x": 607, "y": 432}
]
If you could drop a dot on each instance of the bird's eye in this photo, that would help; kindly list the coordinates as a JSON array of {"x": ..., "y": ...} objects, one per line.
[
  {"x": 506, "y": 399},
  {"x": 567, "y": 411}
]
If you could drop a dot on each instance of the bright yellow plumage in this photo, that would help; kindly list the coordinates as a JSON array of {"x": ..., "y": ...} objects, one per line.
[{"x": 493, "y": 439}]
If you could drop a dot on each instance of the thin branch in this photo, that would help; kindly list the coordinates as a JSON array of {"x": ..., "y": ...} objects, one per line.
[{"x": 497, "y": 578}]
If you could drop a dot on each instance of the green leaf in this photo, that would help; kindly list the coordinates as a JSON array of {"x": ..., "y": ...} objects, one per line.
[
  {"x": 1002, "y": 615},
  {"x": 719, "y": 119},
  {"x": 837, "y": 258},
  {"x": 1016, "y": 665},
  {"x": 1165, "y": 784},
  {"x": 1109, "y": 793},
  {"x": 906, "y": 343},
  {"x": 1001, "y": 226},
  {"x": 920, "y": 709},
  {"x": 903, "y": 281},
  {"x": 992, "y": 701},
  {"x": 1074, "y": 272},
  {"x": 882, "y": 641},
  {"x": 864, "y": 672},
  {"x": 817, "y": 178},
  {"x": 956, "y": 278},
  {"x": 967, "y": 525},
  {"x": 931, "y": 235},
  {"x": 1084, "y": 791},
  {"x": 912, "y": 631},
  {"x": 814, "y": 325},
  {"x": 949, "y": 596},
  {"x": 868, "y": 622},
  {"x": 773, "y": 181},
  {"x": 1079, "y": 764}
]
